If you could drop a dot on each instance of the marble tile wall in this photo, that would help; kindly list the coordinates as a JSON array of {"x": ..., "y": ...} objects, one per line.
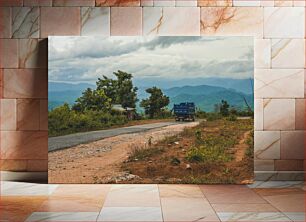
[{"x": 278, "y": 28}]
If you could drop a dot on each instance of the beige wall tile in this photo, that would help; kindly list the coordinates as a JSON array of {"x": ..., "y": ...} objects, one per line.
[
  {"x": 300, "y": 114},
  {"x": 246, "y": 3},
  {"x": 73, "y": 2},
  {"x": 25, "y": 22},
  {"x": 263, "y": 165},
  {"x": 273, "y": 83},
  {"x": 258, "y": 114},
  {"x": 279, "y": 114},
  {"x": 33, "y": 53},
  {"x": 43, "y": 114},
  {"x": 37, "y": 2},
  {"x": 4, "y": 3},
  {"x": 171, "y": 21},
  {"x": 126, "y": 21},
  {"x": 7, "y": 114},
  {"x": 13, "y": 165},
  {"x": 283, "y": 3},
  {"x": 95, "y": 21},
  {"x": 163, "y": 3},
  {"x": 288, "y": 53},
  {"x": 267, "y": 3},
  {"x": 146, "y": 2},
  {"x": 24, "y": 144},
  {"x": 267, "y": 145},
  {"x": 186, "y": 3},
  {"x": 299, "y": 3},
  {"x": 292, "y": 145},
  {"x": 28, "y": 114},
  {"x": 8, "y": 53},
  {"x": 289, "y": 165},
  {"x": 1, "y": 83},
  {"x": 262, "y": 53},
  {"x": 305, "y": 83},
  {"x": 284, "y": 22},
  {"x": 37, "y": 165},
  {"x": 5, "y": 22},
  {"x": 232, "y": 21},
  {"x": 117, "y": 3},
  {"x": 220, "y": 3},
  {"x": 51, "y": 17},
  {"x": 25, "y": 83}
]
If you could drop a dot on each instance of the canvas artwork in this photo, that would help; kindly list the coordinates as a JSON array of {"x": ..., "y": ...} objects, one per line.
[{"x": 151, "y": 110}]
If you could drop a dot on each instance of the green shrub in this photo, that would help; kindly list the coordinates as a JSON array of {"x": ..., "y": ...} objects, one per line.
[
  {"x": 63, "y": 120},
  {"x": 142, "y": 153},
  {"x": 207, "y": 154},
  {"x": 232, "y": 117},
  {"x": 213, "y": 116}
]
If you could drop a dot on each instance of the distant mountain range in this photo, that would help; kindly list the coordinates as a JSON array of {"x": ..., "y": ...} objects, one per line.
[
  {"x": 240, "y": 85},
  {"x": 204, "y": 96}
]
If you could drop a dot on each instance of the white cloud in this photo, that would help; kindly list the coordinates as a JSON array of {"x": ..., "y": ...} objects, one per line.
[{"x": 84, "y": 59}]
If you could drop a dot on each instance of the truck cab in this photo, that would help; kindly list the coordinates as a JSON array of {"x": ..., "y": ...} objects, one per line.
[{"x": 184, "y": 111}]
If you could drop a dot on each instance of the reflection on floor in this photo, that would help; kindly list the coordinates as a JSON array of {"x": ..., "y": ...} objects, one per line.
[{"x": 268, "y": 201}]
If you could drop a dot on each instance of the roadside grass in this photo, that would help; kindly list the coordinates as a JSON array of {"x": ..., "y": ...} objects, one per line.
[
  {"x": 202, "y": 154},
  {"x": 250, "y": 142},
  {"x": 213, "y": 147},
  {"x": 142, "y": 153},
  {"x": 209, "y": 179}
]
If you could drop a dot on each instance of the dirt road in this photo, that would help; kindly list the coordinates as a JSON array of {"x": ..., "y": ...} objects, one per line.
[
  {"x": 100, "y": 161},
  {"x": 60, "y": 142}
]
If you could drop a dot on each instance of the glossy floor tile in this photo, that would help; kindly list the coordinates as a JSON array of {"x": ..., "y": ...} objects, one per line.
[
  {"x": 262, "y": 207},
  {"x": 284, "y": 199},
  {"x": 253, "y": 216},
  {"x": 71, "y": 204},
  {"x": 230, "y": 194},
  {"x": 74, "y": 198},
  {"x": 18, "y": 208},
  {"x": 295, "y": 216},
  {"x": 133, "y": 196},
  {"x": 130, "y": 214},
  {"x": 26, "y": 189},
  {"x": 281, "y": 201},
  {"x": 188, "y": 191},
  {"x": 98, "y": 191},
  {"x": 187, "y": 209},
  {"x": 63, "y": 216},
  {"x": 277, "y": 184}
]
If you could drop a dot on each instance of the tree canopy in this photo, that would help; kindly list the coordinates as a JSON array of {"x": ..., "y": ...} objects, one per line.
[
  {"x": 120, "y": 90},
  {"x": 157, "y": 101},
  {"x": 95, "y": 100}
]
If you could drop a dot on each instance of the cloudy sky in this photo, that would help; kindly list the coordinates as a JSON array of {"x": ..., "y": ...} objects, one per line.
[{"x": 84, "y": 59}]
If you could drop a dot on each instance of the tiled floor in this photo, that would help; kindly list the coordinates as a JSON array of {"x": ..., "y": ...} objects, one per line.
[{"x": 269, "y": 201}]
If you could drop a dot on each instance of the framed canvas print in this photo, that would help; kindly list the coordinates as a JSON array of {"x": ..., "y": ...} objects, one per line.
[{"x": 151, "y": 110}]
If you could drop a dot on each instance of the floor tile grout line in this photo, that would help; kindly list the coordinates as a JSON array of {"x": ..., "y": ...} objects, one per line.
[
  {"x": 160, "y": 202},
  {"x": 278, "y": 210},
  {"x": 109, "y": 190},
  {"x": 209, "y": 203}
]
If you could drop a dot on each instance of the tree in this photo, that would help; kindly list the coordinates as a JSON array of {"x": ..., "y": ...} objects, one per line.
[
  {"x": 95, "y": 100},
  {"x": 120, "y": 90},
  {"x": 155, "y": 103},
  {"x": 224, "y": 108}
]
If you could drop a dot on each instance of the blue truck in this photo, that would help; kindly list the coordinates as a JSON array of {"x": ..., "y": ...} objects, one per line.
[{"x": 184, "y": 111}]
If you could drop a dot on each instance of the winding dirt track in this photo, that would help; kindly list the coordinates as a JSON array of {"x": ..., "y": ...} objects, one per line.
[{"x": 100, "y": 161}]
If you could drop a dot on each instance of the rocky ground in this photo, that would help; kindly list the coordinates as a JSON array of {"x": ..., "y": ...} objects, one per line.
[{"x": 101, "y": 161}]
